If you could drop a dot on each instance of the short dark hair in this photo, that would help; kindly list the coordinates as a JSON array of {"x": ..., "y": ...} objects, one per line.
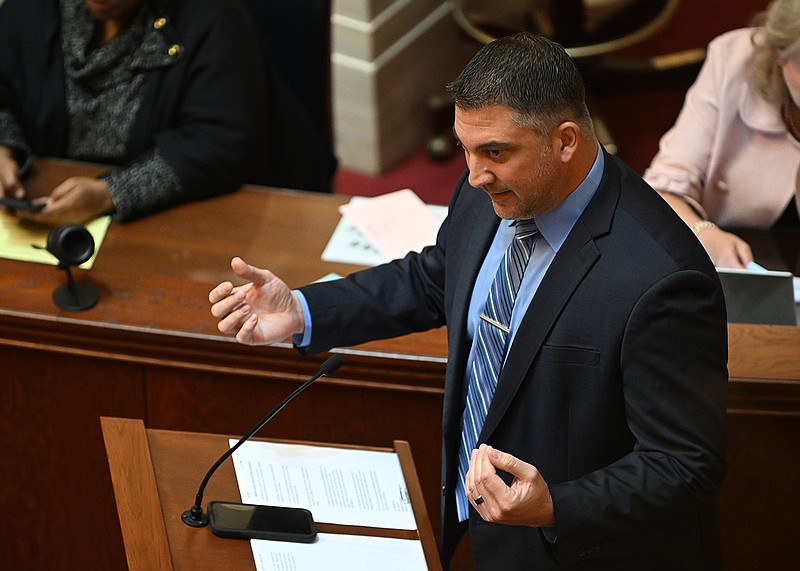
[{"x": 531, "y": 75}]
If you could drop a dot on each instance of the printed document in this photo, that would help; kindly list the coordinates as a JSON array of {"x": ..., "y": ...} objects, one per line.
[
  {"x": 338, "y": 485},
  {"x": 334, "y": 552}
]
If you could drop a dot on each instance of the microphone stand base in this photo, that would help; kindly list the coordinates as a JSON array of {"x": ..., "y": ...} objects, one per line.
[
  {"x": 75, "y": 296},
  {"x": 190, "y": 519}
]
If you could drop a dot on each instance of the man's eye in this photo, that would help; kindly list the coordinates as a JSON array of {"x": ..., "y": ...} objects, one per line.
[{"x": 495, "y": 153}]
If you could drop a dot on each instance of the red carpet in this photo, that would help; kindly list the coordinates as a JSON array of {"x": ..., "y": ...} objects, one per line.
[{"x": 432, "y": 181}]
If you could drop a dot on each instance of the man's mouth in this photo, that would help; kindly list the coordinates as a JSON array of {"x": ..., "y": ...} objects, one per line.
[{"x": 493, "y": 194}]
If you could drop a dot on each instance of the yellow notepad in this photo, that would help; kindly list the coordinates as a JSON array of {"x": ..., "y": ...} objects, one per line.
[{"x": 26, "y": 242}]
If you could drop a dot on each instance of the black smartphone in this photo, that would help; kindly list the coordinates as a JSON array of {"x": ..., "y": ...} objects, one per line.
[
  {"x": 21, "y": 204},
  {"x": 250, "y": 521}
]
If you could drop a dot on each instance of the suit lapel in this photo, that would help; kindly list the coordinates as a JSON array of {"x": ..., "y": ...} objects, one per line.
[{"x": 480, "y": 231}]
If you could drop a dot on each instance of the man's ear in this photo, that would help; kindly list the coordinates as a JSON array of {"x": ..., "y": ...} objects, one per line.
[{"x": 565, "y": 139}]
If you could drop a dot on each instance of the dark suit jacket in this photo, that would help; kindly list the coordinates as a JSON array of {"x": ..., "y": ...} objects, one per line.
[{"x": 614, "y": 387}]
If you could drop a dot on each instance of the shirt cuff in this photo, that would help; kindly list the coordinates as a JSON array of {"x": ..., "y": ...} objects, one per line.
[{"x": 304, "y": 339}]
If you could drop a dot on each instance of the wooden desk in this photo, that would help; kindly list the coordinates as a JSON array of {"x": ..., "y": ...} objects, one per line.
[
  {"x": 154, "y": 474},
  {"x": 149, "y": 349}
]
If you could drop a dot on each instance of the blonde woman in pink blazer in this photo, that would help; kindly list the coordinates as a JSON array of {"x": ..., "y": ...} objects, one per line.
[{"x": 732, "y": 158}]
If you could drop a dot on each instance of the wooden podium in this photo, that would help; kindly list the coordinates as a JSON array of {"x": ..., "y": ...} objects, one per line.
[{"x": 155, "y": 474}]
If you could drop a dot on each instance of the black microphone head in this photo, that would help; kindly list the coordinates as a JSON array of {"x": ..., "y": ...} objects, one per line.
[
  {"x": 72, "y": 244},
  {"x": 331, "y": 364}
]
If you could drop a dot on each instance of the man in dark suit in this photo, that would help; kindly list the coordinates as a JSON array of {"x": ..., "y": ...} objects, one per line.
[{"x": 601, "y": 440}]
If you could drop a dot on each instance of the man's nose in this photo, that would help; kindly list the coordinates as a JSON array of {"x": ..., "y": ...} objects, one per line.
[{"x": 478, "y": 174}]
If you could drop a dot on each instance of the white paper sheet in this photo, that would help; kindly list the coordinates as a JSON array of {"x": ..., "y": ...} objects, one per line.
[
  {"x": 333, "y": 552},
  {"x": 350, "y": 245},
  {"x": 338, "y": 485},
  {"x": 395, "y": 223}
]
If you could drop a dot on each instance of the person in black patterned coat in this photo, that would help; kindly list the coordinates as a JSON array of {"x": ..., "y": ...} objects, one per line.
[{"x": 176, "y": 94}]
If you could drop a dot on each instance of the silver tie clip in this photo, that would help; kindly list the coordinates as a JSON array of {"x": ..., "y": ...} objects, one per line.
[{"x": 497, "y": 324}]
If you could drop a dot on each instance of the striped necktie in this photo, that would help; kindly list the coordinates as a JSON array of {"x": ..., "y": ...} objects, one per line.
[{"x": 490, "y": 349}]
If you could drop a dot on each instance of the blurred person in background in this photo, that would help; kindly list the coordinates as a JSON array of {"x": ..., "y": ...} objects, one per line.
[
  {"x": 177, "y": 95},
  {"x": 731, "y": 160}
]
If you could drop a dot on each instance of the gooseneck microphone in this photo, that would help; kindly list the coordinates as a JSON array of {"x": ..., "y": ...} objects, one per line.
[{"x": 195, "y": 516}]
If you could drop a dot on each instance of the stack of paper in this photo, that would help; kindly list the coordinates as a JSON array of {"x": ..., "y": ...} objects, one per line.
[
  {"x": 376, "y": 230},
  {"x": 338, "y": 485},
  {"x": 334, "y": 552}
]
